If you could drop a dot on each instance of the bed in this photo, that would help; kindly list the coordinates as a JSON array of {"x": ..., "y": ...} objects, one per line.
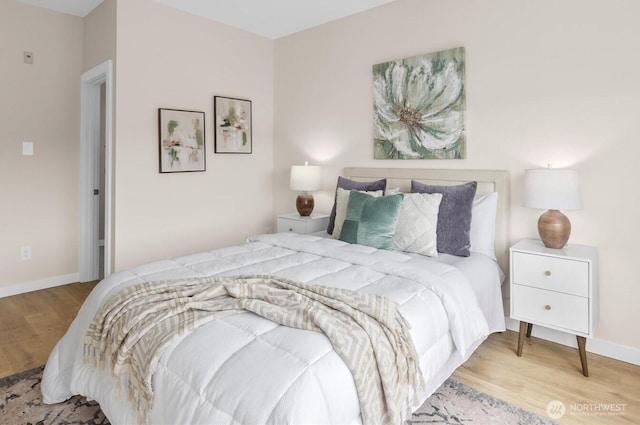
[{"x": 247, "y": 369}]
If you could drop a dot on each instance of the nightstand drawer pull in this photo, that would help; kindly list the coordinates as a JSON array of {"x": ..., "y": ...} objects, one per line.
[
  {"x": 547, "y": 273},
  {"x": 547, "y": 307},
  {"x": 291, "y": 229}
]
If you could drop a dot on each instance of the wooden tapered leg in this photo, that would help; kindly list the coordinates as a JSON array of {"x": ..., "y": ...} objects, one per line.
[
  {"x": 521, "y": 334},
  {"x": 529, "y": 327},
  {"x": 582, "y": 348}
]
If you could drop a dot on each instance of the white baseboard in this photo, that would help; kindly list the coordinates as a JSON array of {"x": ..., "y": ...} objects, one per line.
[
  {"x": 36, "y": 285},
  {"x": 595, "y": 345}
]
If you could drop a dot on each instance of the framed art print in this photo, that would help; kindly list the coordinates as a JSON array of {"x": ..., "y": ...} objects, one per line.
[
  {"x": 232, "y": 125},
  {"x": 182, "y": 143},
  {"x": 419, "y": 107}
]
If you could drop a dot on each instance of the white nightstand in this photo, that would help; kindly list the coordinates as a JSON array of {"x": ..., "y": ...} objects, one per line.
[
  {"x": 295, "y": 223},
  {"x": 555, "y": 288}
]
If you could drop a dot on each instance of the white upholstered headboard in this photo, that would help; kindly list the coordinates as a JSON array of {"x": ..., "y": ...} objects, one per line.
[{"x": 488, "y": 181}]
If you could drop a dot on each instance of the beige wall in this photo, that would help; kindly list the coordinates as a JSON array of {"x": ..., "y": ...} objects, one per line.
[
  {"x": 547, "y": 82},
  {"x": 100, "y": 35},
  {"x": 171, "y": 59},
  {"x": 176, "y": 60},
  {"x": 39, "y": 103},
  {"x": 100, "y": 27}
]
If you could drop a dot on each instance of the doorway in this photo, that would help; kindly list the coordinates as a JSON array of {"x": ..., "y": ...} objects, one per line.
[{"x": 96, "y": 118}]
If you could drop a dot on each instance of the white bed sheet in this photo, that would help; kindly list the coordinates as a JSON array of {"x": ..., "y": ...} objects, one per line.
[
  {"x": 486, "y": 279},
  {"x": 247, "y": 369}
]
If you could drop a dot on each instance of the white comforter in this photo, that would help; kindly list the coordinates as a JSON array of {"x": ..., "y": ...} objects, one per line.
[{"x": 246, "y": 369}]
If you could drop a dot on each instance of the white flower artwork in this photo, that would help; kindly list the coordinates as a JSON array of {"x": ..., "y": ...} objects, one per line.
[{"x": 419, "y": 107}]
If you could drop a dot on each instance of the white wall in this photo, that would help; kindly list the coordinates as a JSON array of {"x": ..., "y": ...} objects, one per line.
[
  {"x": 39, "y": 103},
  {"x": 171, "y": 59},
  {"x": 547, "y": 82}
]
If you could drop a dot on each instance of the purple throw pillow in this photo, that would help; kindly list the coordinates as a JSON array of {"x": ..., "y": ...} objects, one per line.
[{"x": 454, "y": 216}]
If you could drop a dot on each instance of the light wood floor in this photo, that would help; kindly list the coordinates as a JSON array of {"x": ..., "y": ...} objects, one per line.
[
  {"x": 547, "y": 372},
  {"x": 31, "y": 324}
]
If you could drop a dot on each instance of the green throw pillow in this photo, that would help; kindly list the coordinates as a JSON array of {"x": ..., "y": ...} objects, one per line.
[{"x": 371, "y": 221}]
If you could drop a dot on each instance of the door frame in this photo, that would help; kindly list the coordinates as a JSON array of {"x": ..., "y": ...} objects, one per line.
[{"x": 90, "y": 170}]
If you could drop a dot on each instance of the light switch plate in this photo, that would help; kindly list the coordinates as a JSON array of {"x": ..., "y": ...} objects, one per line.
[
  {"x": 27, "y": 148},
  {"x": 25, "y": 253}
]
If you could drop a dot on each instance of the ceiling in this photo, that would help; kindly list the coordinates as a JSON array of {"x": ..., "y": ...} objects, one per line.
[{"x": 268, "y": 18}]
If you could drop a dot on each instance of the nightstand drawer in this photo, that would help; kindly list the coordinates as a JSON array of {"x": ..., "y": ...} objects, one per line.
[
  {"x": 294, "y": 223},
  {"x": 555, "y": 274},
  {"x": 294, "y": 226},
  {"x": 534, "y": 305}
]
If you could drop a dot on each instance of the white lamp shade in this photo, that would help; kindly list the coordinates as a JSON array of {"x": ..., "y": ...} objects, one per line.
[
  {"x": 552, "y": 189},
  {"x": 305, "y": 178}
]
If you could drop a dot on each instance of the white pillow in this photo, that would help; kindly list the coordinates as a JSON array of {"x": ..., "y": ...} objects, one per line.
[
  {"x": 416, "y": 231},
  {"x": 483, "y": 224},
  {"x": 342, "y": 200}
]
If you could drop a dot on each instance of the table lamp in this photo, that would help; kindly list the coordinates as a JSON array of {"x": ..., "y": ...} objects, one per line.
[
  {"x": 305, "y": 178},
  {"x": 552, "y": 189}
]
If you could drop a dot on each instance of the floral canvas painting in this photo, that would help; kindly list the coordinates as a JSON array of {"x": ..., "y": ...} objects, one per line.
[
  {"x": 181, "y": 141},
  {"x": 233, "y": 125},
  {"x": 419, "y": 107}
]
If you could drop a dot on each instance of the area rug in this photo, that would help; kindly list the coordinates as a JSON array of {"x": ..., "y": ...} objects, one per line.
[{"x": 452, "y": 403}]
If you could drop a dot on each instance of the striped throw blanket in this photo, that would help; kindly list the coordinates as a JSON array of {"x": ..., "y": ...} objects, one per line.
[{"x": 130, "y": 331}]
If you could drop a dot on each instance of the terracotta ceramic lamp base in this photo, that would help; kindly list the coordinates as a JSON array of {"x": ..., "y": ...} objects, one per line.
[
  {"x": 554, "y": 229},
  {"x": 304, "y": 204}
]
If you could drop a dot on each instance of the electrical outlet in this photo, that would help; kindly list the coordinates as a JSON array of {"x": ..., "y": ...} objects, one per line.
[
  {"x": 25, "y": 253},
  {"x": 28, "y": 57}
]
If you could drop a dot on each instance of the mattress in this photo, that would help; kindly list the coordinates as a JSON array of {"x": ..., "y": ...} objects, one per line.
[{"x": 247, "y": 369}]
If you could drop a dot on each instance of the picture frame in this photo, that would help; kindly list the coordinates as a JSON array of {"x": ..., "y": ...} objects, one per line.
[
  {"x": 181, "y": 141},
  {"x": 232, "y": 125},
  {"x": 419, "y": 107}
]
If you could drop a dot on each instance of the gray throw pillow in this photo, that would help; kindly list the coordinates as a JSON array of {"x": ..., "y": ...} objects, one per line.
[
  {"x": 353, "y": 185},
  {"x": 454, "y": 216}
]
